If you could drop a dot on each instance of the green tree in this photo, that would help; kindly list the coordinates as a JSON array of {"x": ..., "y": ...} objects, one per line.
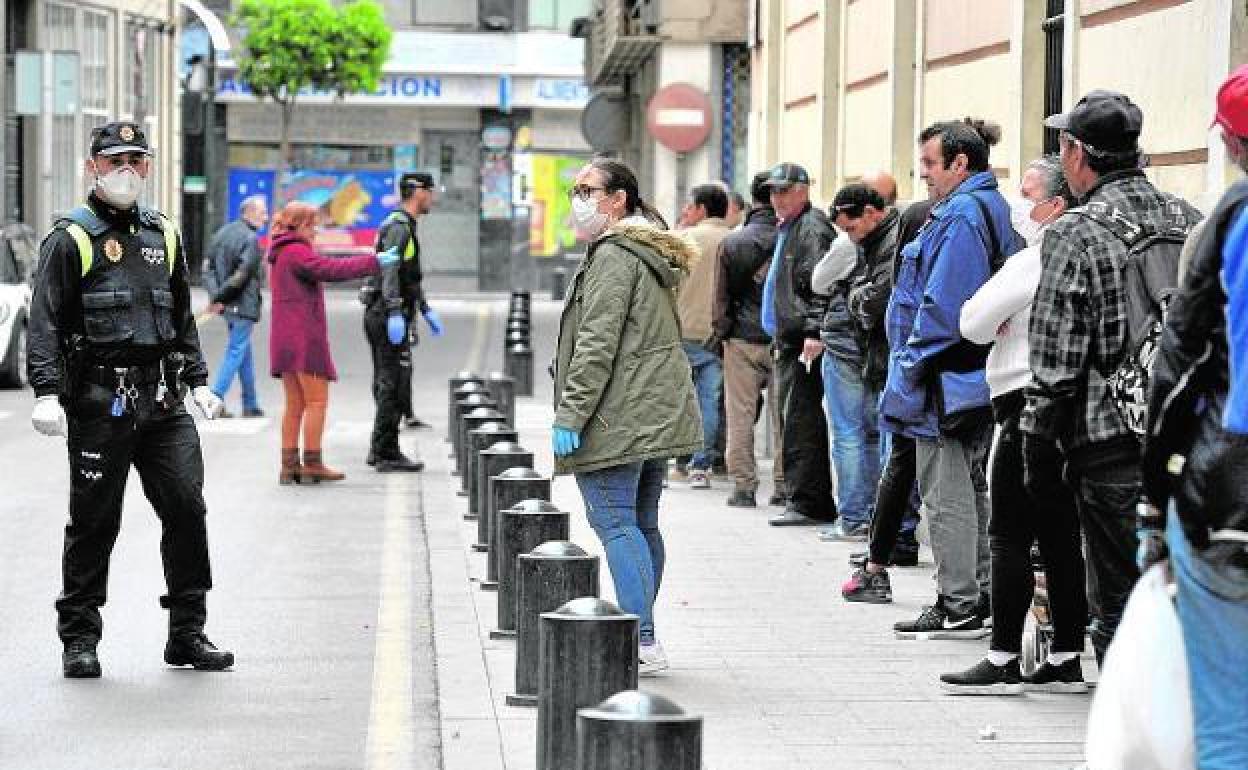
[{"x": 290, "y": 46}]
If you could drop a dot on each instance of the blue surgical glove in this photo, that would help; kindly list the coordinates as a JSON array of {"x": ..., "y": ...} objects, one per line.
[
  {"x": 564, "y": 441},
  {"x": 388, "y": 258},
  {"x": 435, "y": 323},
  {"x": 396, "y": 328}
]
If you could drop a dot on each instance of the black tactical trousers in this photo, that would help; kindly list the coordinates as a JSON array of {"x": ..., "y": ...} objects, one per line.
[
  {"x": 405, "y": 381},
  {"x": 807, "y": 467},
  {"x": 387, "y": 380},
  {"x": 163, "y": 446}
]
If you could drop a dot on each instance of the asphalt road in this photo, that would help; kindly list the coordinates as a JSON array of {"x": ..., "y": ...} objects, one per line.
[{"x": 322, "y": 592}]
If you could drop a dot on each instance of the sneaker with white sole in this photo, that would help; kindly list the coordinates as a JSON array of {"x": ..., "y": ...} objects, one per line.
[
  {"x": 699, "y": 478},
  {"x": 984, "y": 678},
  {"x": 651, "y": 659},
  {"x": 1066, "y": 678},
  {"x": 936, "y": 622}
]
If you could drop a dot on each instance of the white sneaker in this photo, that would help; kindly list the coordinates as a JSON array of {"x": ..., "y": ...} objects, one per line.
[
  {"x": 699, "y": 479},
  {"x": 651, "y": 659}
]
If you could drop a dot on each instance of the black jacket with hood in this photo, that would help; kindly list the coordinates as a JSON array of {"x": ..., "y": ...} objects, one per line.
[
  {"x": 746, "y": 255},
  {"x": 799, "y": 310}
]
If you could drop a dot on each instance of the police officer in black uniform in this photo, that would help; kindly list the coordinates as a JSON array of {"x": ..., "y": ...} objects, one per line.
[
  {"x": 392, "y": 301},
  {"x": 113, "y": 351}
]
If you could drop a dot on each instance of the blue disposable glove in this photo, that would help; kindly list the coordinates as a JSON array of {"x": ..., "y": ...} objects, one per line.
[
  {"x": 388, "y": 258},
  {"x": 435, "y": 323},
  {"x": 396, "y": 328},
  {"x": 564, "y": 441}
]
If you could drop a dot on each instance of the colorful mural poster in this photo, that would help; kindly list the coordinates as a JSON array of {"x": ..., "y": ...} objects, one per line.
[
  {"x": 550, "y": 227},
  {"x": 354, "y": 203}
]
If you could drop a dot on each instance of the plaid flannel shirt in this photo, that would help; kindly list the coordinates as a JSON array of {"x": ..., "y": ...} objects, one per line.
[{"x": 1078, "y": 319}]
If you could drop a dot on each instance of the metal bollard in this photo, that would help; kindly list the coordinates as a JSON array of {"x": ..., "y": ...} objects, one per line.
[
  {"x": 491, "y": 462},
  {"x": 470, "y": 422},
  {"x": 503, "y": 389},
  {"x": 463, "y": 407},
  {"x": 505, "y": 490},
  {"x": 634, "y": 730},
  {"x": 518, "y": 326},
  {"x": 547, "y": 577},
  {"x": 521, "y": 528},
  {"x": 482, "y": 438},
  {"x": 558, "y": 283},
  {"x": 518, "y": 362},
  {"x": 588, "y": 653},
  {"x": 458, "y": 391}
]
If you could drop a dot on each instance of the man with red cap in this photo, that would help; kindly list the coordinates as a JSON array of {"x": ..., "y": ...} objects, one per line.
[{"x": 1196, "y": 454}]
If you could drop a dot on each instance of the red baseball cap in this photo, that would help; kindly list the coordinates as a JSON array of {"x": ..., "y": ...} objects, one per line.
[{"x": 1232, "y": 110}]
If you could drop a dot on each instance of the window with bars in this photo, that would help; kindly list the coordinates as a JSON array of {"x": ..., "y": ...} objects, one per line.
[
  {"x": 735, "y": 121},
  {"x": 96, "y": 79},
  {"x": 61, "y": 31}
]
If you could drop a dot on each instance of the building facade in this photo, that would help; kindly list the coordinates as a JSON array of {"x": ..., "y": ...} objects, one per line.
[
  {"x": 845, "y": 86},
  {"x": 633, "y": 48},
  {"x": 486, "y": 97},
  {"x": 105, "y": 60}
]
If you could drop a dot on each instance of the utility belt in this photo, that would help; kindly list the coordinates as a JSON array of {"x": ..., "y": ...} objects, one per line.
[{"x": 125, "y": 382}]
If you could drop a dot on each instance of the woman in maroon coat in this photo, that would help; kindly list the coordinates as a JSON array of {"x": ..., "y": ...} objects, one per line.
[{"x": 298, "y": 338}]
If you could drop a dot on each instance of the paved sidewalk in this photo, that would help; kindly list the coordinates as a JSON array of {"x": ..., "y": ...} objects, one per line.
[{"x": 785, "y": 673}]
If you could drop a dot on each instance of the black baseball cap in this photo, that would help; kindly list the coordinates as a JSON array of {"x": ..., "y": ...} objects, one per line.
[
  {"x": 851, "y": 199},
  {"x": 1105, "y": 121},
  {"x": 119, "y": 137},
  {"x": 785, "y": 175},
  {"x": 413, "y": 179}
]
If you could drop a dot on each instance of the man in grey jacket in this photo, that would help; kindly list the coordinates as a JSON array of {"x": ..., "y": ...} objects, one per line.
[{"x": 233, "y": 277}]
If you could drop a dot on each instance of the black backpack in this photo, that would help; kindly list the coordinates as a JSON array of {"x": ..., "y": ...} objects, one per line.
[{"x": 1149, "y": 280}]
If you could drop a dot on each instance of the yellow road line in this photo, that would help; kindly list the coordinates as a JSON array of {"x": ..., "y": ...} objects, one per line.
[{"x": 389, "y": 743}]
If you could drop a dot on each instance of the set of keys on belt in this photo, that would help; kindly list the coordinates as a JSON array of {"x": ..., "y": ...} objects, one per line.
[{"x": 165, "y": 397}]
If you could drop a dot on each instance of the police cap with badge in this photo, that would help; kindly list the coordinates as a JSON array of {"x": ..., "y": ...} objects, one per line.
[{"x": 119, "y": 138}]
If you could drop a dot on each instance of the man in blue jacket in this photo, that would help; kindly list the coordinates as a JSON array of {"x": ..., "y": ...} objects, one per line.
[{"x": 935, "y": 391}]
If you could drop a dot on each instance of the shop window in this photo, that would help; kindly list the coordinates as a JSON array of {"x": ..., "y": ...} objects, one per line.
[
  {"x": 61, "y": 32},
  {"x": 441, "y": 13}
]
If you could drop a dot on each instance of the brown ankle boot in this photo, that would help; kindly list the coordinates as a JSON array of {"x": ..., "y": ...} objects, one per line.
[
  {"x": 291, "y": 470},
  {"x": 315, "y": 471}
]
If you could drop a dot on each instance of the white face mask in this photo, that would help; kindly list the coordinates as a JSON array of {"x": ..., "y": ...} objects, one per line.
[
  {"x": 120, "y": 187},
  {"x": 1020, "y": 217},
  {"x": 590, "y": 222}
]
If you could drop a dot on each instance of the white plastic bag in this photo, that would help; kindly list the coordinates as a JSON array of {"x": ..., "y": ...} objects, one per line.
[{"x": 1141, "y": 717}]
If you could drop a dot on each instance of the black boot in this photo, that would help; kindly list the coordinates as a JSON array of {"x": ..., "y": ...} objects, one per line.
[
  {"x": 398, "y": 463},
  {"x": 194, "y": 649},
  {"x": 79, "y": 660}
]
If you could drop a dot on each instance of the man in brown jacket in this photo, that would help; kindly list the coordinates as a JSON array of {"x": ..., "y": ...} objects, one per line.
[{"x": 704, "y": 216}]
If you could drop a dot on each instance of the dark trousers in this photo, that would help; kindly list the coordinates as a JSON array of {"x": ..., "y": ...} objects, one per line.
[
  {"x": 895, "y": 502},
  {"x": 807, "y": 470},
  {"x": 387, "y": 380},
  {"x": 1106, "y": 497},
  {"x": 405, "y": 381},
  {"x": 163, "y": 447},
  {"x": 1017, "y": 521}
]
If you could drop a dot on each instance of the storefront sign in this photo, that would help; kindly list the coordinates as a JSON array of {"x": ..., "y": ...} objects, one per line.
[{"x": 415, "y": 89}]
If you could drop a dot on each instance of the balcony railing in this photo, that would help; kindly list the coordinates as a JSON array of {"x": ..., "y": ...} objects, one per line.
[{"x": 623, "y": 36}]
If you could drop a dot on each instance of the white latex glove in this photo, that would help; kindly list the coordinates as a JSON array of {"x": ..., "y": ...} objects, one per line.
[
  {"x": 209, "y": 405},
  {"x": 48, "y": 416}
]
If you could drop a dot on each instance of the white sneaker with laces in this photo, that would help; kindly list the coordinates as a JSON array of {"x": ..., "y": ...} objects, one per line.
[
  {"x": 651, "y": 659},
  {"x": 699, "y": 479}
]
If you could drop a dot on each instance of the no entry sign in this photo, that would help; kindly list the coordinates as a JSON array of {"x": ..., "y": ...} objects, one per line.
[{"x": 679, "y": 117}]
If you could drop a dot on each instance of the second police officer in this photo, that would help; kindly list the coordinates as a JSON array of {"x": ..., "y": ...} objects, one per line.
[
  {"x": 113, "y": 350},
  {"x": 391, "y": 308}
]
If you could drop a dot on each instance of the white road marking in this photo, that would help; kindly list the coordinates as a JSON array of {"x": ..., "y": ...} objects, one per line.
[
  {"x": 5, "y": 415},
  {"x": 389, "y": 743},
  {"x": 248, "y": 427}
]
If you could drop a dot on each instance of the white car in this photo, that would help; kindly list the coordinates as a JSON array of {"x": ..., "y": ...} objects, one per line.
[{"x": 17, "y": 261}]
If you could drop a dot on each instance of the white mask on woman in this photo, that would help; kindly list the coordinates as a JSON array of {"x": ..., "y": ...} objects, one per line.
[
  {"x": 1020, "y": 217},
  {"x": 589, "y": 221},
  {"x": 120, "y": 187}
]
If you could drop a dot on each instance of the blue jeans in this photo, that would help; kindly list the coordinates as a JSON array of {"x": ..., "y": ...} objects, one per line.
[
  {"x": 622, "y": 503},
  {"x": 238, "y": 360},
  {"x": 708, "y": 381},
  {"x": 1213, "y": 613},
  {"x": 853, "y": 438}
]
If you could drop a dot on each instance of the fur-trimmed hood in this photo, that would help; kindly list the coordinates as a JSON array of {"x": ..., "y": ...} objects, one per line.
[{"x": 676, "y": 252}]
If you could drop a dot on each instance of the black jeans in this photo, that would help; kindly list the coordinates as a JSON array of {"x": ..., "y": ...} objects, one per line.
[
  {"x": 894, "y": 502},
  {"x": 1107, "y": 496},
  {"x": 1017, "y": 521},
  {"x": 807, "y": 469},
  {"x": 163, "y": 447},
  {"x": 387, "y": 381}
]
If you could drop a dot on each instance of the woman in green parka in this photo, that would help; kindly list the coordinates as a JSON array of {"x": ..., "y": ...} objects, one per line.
[{"x": 624, "y": 398}]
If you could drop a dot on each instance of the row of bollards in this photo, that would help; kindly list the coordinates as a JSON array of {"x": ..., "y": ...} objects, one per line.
[
  {"x": 576, "y": 654},
  {"x": 518, "y": 344}
]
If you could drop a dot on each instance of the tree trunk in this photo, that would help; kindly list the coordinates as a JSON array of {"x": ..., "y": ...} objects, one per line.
[{"x": 285, "y": 161}]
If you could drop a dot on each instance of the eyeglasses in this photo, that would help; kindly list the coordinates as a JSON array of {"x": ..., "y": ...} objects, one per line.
[{"x": 584, "y": 191}]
